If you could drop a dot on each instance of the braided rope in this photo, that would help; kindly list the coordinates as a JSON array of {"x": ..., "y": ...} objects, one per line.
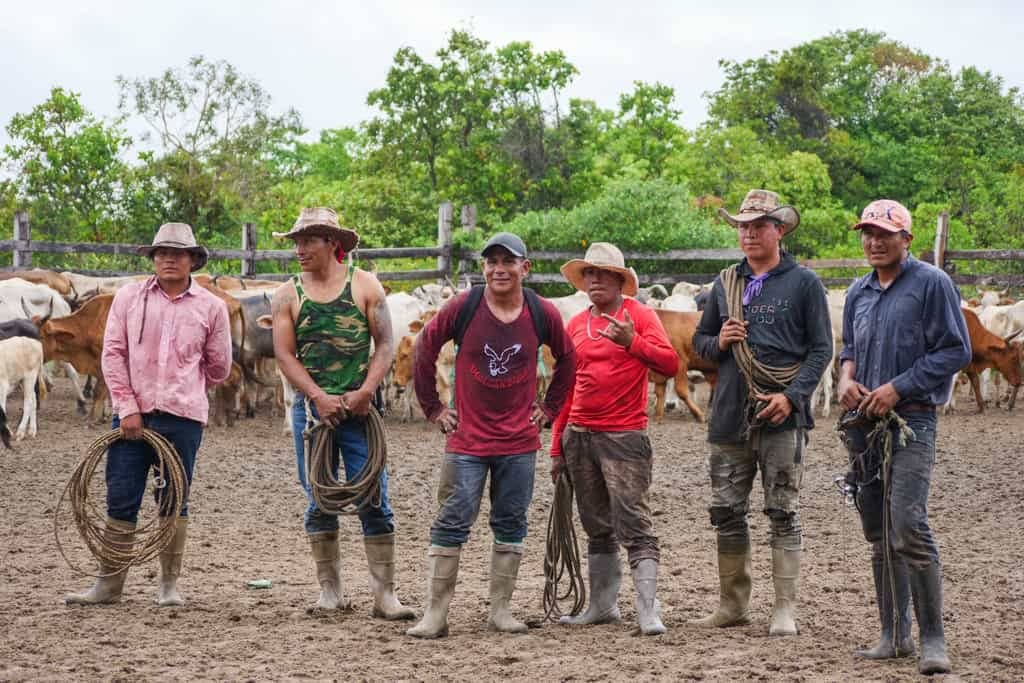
[
  {"x": 117, "y": 549},
  {"x": 562, "y": 555},
  {"x": 336, "y": 496}
]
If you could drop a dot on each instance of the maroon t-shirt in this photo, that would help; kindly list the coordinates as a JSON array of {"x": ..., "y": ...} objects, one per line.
[{"x": 495, "y": 377}]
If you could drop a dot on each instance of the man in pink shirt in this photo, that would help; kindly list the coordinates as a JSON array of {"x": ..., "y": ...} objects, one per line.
[{"x": 167, "y": 341}]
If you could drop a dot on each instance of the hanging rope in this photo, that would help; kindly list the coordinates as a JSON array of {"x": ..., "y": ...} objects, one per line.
[
  {"x": 336, "y": 496},
  {"x": 562, "y": 555},
  {"x": 882, "y": 436},
  {"x": 90, "y": 517}
]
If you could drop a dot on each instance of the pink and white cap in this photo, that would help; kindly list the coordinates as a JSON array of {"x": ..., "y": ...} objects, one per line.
[{"x": 886, "y": 214}]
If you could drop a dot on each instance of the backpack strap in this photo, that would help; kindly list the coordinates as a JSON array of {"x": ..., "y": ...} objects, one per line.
[{"x": 476, "y": 295}]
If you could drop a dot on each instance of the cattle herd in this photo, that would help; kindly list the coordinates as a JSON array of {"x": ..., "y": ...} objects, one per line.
[{"x": 51, "y": 320}]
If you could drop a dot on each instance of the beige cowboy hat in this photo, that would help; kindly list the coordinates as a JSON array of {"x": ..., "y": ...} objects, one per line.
[
  {"x": 763, "y": 204},
  {"x": 177, "y": 236},
  {"x": 320, "y": 220},
  {"x": 605, "y": 256}
]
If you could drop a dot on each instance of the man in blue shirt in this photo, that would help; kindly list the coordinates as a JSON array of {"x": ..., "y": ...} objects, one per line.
[{"x": 904, "y": 337}]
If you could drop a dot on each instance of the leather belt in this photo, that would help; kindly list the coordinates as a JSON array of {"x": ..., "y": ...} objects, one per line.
[
  {"x": 915, "y": 407},
  {"x": 578, "y": 428}
]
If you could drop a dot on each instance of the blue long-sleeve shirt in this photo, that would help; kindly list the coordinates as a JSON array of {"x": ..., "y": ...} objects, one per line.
[{"x": 912, "y": 333}]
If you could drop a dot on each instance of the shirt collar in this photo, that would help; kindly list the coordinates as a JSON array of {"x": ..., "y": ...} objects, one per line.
[
  {"x": 872, "y": 278},
  {"x": 153, "y": 285}
]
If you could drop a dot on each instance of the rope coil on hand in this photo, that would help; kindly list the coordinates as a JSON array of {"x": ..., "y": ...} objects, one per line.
[
  {"x": 761, "y": 378},
  {"x": 332, "y": 495},
  {"x": 562, "y": 555},
  {"x": 91, "y": 520}
]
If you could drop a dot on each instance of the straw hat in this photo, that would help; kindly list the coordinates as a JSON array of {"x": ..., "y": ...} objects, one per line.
[
  {"x": 322, "y": 221},
  {"x": 177, "y": 236},
  {"x": 763, "y": 204},
  {"x": 605, "y": 256}
]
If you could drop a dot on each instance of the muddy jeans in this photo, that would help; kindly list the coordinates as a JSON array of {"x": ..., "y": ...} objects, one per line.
[
  {"x": 910, "y": 535},
  {"x": 732, "y": 466},
  {"x": 611, "y": 475}
]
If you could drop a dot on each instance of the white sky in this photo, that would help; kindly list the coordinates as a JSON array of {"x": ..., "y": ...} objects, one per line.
[{"x": 323, "y": 57}]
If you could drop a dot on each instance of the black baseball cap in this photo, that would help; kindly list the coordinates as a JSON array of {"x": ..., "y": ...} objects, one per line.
[{"x": 506, "y": 240}]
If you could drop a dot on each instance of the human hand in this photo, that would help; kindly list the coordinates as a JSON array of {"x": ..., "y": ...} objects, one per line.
[
  {"x": 732, "y": 332},
  {"x": 619, "y": 331},
  {"x": 557, "y": 467},
  {"x": 131, "y": 427},
  {"x": 448, "y": 420},
  {"x": 851, "y": 393},
  {"x": 357, "y": 402},
  {"x": 880, "y": 401},
  {"x": 778, "y": 408},
  {"x": 330, "y": 408}
]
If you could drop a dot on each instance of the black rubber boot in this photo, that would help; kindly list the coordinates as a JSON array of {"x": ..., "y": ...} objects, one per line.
[
  {"x": 926, "y": 586},
  {"x": 903, "y": 644}
]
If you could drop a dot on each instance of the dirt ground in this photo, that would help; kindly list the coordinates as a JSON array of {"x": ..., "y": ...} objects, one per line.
[{"x": 247, "y": 524}]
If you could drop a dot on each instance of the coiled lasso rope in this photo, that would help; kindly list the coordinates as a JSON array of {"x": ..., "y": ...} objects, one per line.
[
  {"x": 340, "y": 497},
  {"x": 562, "y": 555},
  {"x": 90, "y": 517}
]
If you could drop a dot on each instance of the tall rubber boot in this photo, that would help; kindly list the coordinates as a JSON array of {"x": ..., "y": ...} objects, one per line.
[
  {"x": 648, "y": 608},
  {"x": 926, "y": 587},
  {"x": 734, "y": 592},
  {"x": 324, "y": 545},
  {"x": 170, "y": 566},
  {"x": 605, "y": 576},
  {"x": 380, "y": 556},
  {"x": 505, "y": 558},
  {"x": 785, "y": 576},
  {"x": 110, "y": 584},
  {"x": 444, "y": 570},
  {"x": 903, "y": 645}
]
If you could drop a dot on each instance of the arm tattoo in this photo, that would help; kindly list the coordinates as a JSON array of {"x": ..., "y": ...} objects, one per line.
[{"x": 383, "y": 334}]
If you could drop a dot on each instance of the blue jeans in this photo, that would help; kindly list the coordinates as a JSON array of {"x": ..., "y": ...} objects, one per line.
[
  {"x": 910, "y": 535},
  {"x": 462, "y": 486},
  {"x": 129, "y": 462},
  {"x": 350, "y": 440}
]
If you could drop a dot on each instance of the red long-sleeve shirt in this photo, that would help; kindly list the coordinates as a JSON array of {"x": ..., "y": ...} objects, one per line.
[
  {"x": 610, "y": 392},
  {"x": 495, "y": 377}
]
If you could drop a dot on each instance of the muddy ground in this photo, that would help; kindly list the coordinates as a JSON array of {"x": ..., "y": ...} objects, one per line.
[{"x": 247, "y": 524}]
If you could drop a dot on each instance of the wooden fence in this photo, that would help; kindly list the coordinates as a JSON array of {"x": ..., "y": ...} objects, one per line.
[{"x": 454, "y": 263}]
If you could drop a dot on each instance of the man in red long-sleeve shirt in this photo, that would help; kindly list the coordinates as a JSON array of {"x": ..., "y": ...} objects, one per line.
[
  {"x": 494, "y": 427},
  {"x": 601, "y": 433}
]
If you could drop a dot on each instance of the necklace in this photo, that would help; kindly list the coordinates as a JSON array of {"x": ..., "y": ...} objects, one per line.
[{"x": 590, "y": 314}]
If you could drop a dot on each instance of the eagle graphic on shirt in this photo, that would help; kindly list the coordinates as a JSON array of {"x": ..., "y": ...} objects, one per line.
[{"x": 497, "y": 363}]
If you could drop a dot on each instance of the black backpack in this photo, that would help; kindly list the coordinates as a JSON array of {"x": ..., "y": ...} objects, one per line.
[{"x": 476, "y": 294}]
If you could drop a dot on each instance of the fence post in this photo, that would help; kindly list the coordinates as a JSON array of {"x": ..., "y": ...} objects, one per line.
[
  {"x": 444, "y": 241},
  {"x": 468, "y": 226},
  {"x": 22, "y": 232},
  {"x": 941, "y": 238},
  {"x": 249, "y": 247}
]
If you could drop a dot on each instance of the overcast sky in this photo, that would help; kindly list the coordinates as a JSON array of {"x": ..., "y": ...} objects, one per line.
[{"x": 323, "y": 57}]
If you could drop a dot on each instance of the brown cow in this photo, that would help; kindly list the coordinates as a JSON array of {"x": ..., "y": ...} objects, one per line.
[
  {"x": 78, "y": 339},
  {"x": 989, "y": 350},
  {"x": 229, "y": 283},
  {"x": 680, "y": 327}
]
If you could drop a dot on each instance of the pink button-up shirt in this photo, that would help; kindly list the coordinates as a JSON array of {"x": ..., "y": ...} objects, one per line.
[{"x": 185, "y": 349}]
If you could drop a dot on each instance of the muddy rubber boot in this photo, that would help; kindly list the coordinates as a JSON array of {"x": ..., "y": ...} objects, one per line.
[
  {"x": 785, "y": 576},
  {"x": 887, "y": 647},
  {"x": 605, "y": 576},
  {"x": 926, "y": 587},
  {"x": 648, "y": 608},
  {"x": 110, "y": 584},
  {"x": 170, "y": 567},
  {"x": 324, "y": 545},
  {"x": 505, "y": 559},
  {"x": 380, "y": 556},
  {"x": 444, "y": 570},
  {"x": 734, "y": 592}
]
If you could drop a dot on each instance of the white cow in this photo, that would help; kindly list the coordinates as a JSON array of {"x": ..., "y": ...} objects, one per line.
[
  {"x": 21, "y": 360},
  {"x": 683, "y": 303}
]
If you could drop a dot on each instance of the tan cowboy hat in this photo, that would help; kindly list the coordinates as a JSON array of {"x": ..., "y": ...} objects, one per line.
[
  {"x": 320, "y": 220},
  {"x": 763, "y": 204},
  {"x": 605, "y": 256},
  {"x": 177, "y": 236}
]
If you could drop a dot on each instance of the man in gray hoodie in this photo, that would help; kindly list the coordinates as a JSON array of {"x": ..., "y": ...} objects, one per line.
[{"x": 766, "y": 323}]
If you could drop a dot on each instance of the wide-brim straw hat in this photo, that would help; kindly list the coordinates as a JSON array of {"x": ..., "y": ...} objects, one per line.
[
  {"x": 177, "y": 236},
  {"x": 605, "y": 256},
  {"x": 763, "y": 204},
  {"x": 320, "y": 220}
]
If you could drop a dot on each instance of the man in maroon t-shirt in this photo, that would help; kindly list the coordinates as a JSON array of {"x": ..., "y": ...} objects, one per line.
[{"x": 494, "y": 426}]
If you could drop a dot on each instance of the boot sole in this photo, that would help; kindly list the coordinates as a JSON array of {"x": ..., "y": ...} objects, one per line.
[{"x": 399, "y": 616}]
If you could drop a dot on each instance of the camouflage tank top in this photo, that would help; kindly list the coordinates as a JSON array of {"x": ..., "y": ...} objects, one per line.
[{"x": 332, "y": 340}]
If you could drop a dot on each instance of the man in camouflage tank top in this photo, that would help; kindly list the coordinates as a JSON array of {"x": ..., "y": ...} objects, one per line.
[{"x": 324, "y": 319}]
